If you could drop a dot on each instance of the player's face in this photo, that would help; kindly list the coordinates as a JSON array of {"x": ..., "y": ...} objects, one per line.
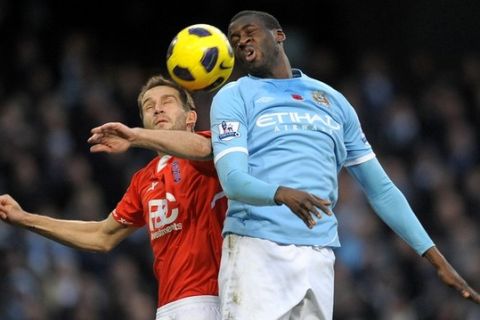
[
  {"x": 162, "y": 109},
  {"x": 256, "y": 47}
]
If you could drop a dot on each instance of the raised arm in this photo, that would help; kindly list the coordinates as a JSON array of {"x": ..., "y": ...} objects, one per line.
[
  {"x": 97, "y": 236},
  {"x": 393, "y": 208},
  {"x": 115, "y": 137}
]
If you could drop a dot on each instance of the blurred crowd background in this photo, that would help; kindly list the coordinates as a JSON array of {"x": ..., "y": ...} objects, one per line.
[{"x": 411, "y": 70}]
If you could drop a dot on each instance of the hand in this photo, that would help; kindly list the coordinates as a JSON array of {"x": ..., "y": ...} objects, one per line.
[
  {"x": 10, "y": 210},
  {"x": 449, "y": 275},
  {"x": 112, "y": 137},
  {"x": 303, "y": 204}
]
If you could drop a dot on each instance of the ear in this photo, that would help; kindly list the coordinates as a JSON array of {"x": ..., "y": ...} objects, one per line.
[
  {"x": 280, "y": 35},
  {"x": 191, "y": 119}
]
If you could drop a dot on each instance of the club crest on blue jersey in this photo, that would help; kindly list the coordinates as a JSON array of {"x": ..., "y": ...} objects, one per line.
[
  {"x": 228, "y": 130},
  {"x": 321, "y": 98}
]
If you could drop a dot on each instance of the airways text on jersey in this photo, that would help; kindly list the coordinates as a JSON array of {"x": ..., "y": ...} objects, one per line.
[{"x": 162, "y": 215}]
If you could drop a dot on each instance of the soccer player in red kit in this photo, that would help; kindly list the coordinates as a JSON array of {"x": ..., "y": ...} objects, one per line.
[{"x": 177, "y": 196}]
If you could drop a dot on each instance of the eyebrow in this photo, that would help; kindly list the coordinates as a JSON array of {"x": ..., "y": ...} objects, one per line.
[
  {"x": 163, "y": 97},
  {"x": 248, "y": 25}
]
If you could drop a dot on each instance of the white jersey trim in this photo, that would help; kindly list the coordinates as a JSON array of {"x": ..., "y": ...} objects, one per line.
[
  {"x": 217, "y": 197},
  {"x": 362, "y": 159},
  {"x": 229, "y": 150},
  {"x": 162, "y": 163}
]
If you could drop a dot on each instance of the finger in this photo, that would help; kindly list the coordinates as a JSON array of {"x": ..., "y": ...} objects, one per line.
[
  {"x": 95, "y": 138},
  {"x": 469, "y": 293},
  {"x": 96, "y": 129},
  {"x": 312, "y": 209},
  {"x": 307, "y": 218},
  {"x": 99, "y": 148},
  {"x": 323, "y": 205},
  {"x": 316, "y": 212},
  {"x": 109, "y": 127},
  {"x": 475, "y": 297}
]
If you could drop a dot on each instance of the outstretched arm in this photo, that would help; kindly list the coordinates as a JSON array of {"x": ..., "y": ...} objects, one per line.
[
  {"x": 98, "y": 236},
  {"x": 393, "y": 208},
  {"x": 115, "y": 137},
  {"x": 449, "y": 275}
]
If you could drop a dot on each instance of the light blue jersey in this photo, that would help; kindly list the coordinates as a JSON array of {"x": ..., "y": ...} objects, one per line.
[{"x": 297, "y": 133}]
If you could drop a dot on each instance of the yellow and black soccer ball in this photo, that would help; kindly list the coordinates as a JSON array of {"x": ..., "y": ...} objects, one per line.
[{"x": 200, "y": 58}]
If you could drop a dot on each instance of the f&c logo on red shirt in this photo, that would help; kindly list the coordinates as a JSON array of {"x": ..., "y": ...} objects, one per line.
[{"x": 162, "y": 215}]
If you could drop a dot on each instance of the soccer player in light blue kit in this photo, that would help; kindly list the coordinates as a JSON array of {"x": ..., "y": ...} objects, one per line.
[{"x": 280, "y": 139}]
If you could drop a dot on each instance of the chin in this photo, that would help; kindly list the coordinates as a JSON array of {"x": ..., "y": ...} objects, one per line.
[{"x": 162, "y": 126}]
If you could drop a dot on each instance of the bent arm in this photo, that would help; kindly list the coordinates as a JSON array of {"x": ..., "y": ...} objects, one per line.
[
  {"x": 182, "y": 144},
  {"x": 237, "y": 184},
  {"x": 232, "y": 169},
  {"x": 390, "y": 204},
  {"x": 115, "y": 137},
  {"x": 98, "y": 236}
]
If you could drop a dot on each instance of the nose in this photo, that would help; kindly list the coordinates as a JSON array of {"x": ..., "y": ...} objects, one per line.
[
  {"x": 244, "y": 39},
  {"x": 158, "y": 108}
]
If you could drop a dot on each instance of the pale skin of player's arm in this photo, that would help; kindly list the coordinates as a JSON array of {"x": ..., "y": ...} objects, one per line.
[
  {"x": 96, "y": 236},
  {"x": 115, "y": 137}
]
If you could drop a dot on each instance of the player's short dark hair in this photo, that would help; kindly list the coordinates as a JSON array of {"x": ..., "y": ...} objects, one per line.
[
  {"x": 268, "y": 20},
  {"x": 159, "y": 80}
]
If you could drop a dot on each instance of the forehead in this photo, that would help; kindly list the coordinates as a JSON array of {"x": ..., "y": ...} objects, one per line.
[
  {"x": 245, "y": 21},
  {"x": 159, "y": 92}
]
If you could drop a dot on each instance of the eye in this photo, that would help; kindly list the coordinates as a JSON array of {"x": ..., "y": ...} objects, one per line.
[
  {"x": 234, "y": 40},
  {"x": 169, "y": 100}
]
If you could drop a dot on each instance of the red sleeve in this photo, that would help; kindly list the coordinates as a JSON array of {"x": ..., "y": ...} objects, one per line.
[
  {"x": 204, "y": 166},
  {"x": 129, "y": 210}
]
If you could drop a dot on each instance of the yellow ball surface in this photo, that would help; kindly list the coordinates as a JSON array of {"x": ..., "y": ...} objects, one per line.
[{"x": 200, "y": 58}]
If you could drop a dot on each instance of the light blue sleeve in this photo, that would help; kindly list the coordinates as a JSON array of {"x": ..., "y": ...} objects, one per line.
[
  {"x": 356, "y": 144},
  {"x": 391, "y": 205},
  {"x": 238, "y": 185},
  {"x": 229, "y": 127}
]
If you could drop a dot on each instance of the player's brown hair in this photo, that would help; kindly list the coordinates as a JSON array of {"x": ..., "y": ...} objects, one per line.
[{"x": 159, "y": 80}]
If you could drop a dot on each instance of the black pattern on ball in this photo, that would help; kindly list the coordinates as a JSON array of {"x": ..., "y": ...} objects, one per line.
[
  {"x": 209, "y": 59},
  {"x": 201, "y": 32},
  {"x": 183, "y": 73},
  {"x": 170, "y": 47}
]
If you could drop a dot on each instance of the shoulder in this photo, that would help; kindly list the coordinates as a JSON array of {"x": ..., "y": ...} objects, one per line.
[
  {"x": 204, "y": 133},
  {"x": 193, "y": 167},
  {"x": 145, "y": 172},
  {"x": 323, "y": 88},
  {"x": 321, "y": 85}
]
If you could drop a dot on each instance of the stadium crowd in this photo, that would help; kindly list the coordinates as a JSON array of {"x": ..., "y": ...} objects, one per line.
[{"x": 420, "y": 112}]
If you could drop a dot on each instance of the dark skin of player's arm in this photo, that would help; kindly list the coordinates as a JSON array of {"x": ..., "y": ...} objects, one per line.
[
  {"x": 96, "y": 236},
  {"x": 449, "y": 276},
  {"x": 303, "y": 204}
]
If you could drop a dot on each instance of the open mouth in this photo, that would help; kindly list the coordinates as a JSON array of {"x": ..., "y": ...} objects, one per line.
[
  {"x": 160, "y": 122},
  {"x": 249, "y": 53}
]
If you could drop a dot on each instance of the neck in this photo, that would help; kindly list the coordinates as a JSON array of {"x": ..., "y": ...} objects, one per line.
[{"x": 282, "y": 70}]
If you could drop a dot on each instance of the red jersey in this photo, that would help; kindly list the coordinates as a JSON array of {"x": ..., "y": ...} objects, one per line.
[{"x": 183, "y": 206}]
